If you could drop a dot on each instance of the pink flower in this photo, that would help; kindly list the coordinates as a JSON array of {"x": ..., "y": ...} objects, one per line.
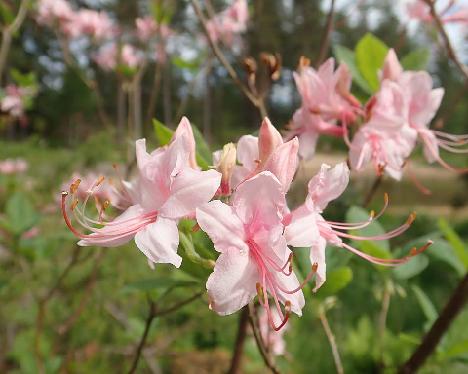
[
  {"x": 106, "y": 57},
  {"x": 267, "y": 152},
  {"x": 386, "y": 139},
  {"x": 326, "y": 99},
  {"x": 272, "y": 339},
  {"x": 308, "y": 228},
  {"x": 253, "y": 251},
  {"x": 50, "y": 12},
  {"x": 130, "y": 57},
  {"x": 167, "y": 189},
  {"x": 423, "y": 102},
  {"x": 421, "y": 11},
  {"x": 95, "y": 24},
  {"x": 228, "y": 24},
  {"x": 13, "y": 166},
  {"x": 146, "y": 28},
  {"x": 12, "y": 102}
]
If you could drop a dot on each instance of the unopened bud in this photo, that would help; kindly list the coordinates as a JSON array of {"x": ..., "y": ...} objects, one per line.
[
  {"x": 225, "y": 165},
  {"x": 304, "y": 62}
]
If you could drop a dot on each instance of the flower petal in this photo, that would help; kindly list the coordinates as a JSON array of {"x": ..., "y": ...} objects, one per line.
[
  {"x": 268, "y": 140},
  {"x": 303, "y": 230},
  {"x": 232, "y": 285},
  {"x": 159, "y": 242},
  {"x": 190, "y": 189},
  {"x": 247, "y": 151},
  {"x": 222, "y": 225},
  {"x": 260, "y": 200},
  {"x": 317, "y": 256},
  {"x": 283, "y": 162},
  {"x": 327, "y": 185}
]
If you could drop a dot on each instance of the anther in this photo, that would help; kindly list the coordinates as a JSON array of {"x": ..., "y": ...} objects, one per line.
[
  {"x": 287, "y": 307},
  {"x": 74, "y": 186},
  {"x": 100, "y": 180},
  {"x": 259, "y": 291},
  {"x": 411, "y": 218},
  {"x": 74, "y": 204},
  {"x": 314, "y": 267},
  {"x": 64, "y": 193},
  {"x": 386, "y": 199}
]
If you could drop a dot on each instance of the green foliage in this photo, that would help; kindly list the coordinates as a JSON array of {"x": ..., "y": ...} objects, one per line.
[
  {"x": 455, "y": 241},
  {"x": 337, "y": 279},
  {"x": 347, "y": 56},
  {"x": 20, "y": 214},
  {"x": 425, "y": 303},
  {"x": 416, "y": 60},
  {"x": 370, "y": 56},
  {"x": 412, "y": 268}
]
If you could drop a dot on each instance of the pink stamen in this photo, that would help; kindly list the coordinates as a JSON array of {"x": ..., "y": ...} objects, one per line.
[{"x": 439, "y": 159}]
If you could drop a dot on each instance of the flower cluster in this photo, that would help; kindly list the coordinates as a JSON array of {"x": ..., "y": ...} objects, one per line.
[
  {"x": 13, "y": 166},
  {"x": 243, "y": 209},
  {"x": 115, "y": 48},
  {"x": 390, "y": 123},
  {"x": 227, "y": 25},
  {"x": 450, "y": 14},
  {"x": 14, "y": 100}
]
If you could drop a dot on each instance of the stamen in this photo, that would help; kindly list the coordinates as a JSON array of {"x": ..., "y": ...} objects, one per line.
[
  {"x": 312, "y": 272},
  {"x": 74, "y": 186}
]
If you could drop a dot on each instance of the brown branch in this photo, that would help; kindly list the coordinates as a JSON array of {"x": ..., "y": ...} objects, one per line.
[
  {"x": 256, "y": 101},
  {"x": 258, "y": 339},
  {"x": 153, "y": 313},
  {"x": 332, "y": 341},
  {"x": 325, "y": 43},
  {"x": 8, "y": 33},
  {"x": 370, "y": 195},
  {"x": 154, "y": 92},
  {"x": 448, "y": 45},
  {"x": 236, "y": 359},
  {"x": 454, "y": 306}
]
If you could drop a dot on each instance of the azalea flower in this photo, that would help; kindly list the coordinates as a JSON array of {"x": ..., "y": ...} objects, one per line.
[
  {"x": 50, "y": 12},
  {"x": 12, "y": 102},
  {"x": 146, "y": 28},
  {"x": 267, "y": 152},
  {"x": 421, "y": 11},
  {"x": 95, "y": 24},
  {"x": 326, "y": 99},
  {"x": 423, "y": 102},
  {"x": 386, "y": 139},
  {"x": 254, "y": 258},
  {"x": 308, "y": 228},
  {"x": 229, "y": 23},
  {"x": 13, "y": 166},
  {"x": 166, "y": 190}
]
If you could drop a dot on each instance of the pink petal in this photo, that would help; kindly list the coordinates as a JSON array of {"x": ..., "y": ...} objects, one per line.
[
  {"x": 232, "y": 285},
  {"x": 184, "y": 130},
  {"x": 159, "y": 242},
  {"x": 303, "y": 230},
  {"x": 392, "y": 69},
  {"x": 260, "y": 199},
  {"x": 307, "y": 144},
  {"x": 317, "y": 256},
  {"x": 327, "y": 185},
  {"x": 283, "y": 163},
  {"x": 190, "y": 189},
  {"x": 268, "y": 140},
  {"x": 247, "y": 151},
  {"x": 117, "y": 234},
  {"x": 222, "y": 225}
]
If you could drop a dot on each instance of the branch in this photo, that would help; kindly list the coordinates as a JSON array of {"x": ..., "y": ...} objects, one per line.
[
  {"x": 332, "y": 341},
  {"x": 9, "y": 31},
  {"x": 454, "y": 306},
  {"x": 256, "y": 101},
  {"x": 258, "y": 339},
  {"x": 448, "y": 45},
  {"x": 240, "y": 340},
  {"x": 152, "y": 314},
  {"x": 325, "y": 43}
]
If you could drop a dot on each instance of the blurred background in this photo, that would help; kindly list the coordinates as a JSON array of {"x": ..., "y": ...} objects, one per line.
[{"x": 80, "y": 106}]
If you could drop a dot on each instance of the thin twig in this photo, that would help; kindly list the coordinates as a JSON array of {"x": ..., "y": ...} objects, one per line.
[
  {"x": 256, "y": 101},
  {"x": 325, "y": 43},
  {"x": 236, "y": 359},
  {"x": 375, "y": 186},
  {"x": 258, "y": 339},
  {"x": 332, "y": 341},
  {"x": 9, "y": 31},
  {"x": 153, "y": 313},
  {"x": 154, "y": 92},
  {"x": 448, "y": 45},
  {"x": 455, "y": 305}
]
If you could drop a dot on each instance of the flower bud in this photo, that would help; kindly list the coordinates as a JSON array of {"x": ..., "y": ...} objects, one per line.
[{"x": 226, "y": 160}]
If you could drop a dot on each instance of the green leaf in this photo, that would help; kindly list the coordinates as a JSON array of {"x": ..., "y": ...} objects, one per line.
[
  {"x": 416, "y": 60},
  {"x": 21, "y": 215},
  {"x": 337, "y": 279},
  {"x": 181, "y": 63},
  {"x": 158, "y": 283},
  {"x": 412, "y": 268},
  {"x": 370, "y": 56},
  {"x": 345, "y": 55},
  {"x": 455, "y": 241},
  {"x": 203, "y": 149},
  {"x": 163, "y": 133},
  {"x": 6, "y": 14},
  {"x": 425, "y": 303}
]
